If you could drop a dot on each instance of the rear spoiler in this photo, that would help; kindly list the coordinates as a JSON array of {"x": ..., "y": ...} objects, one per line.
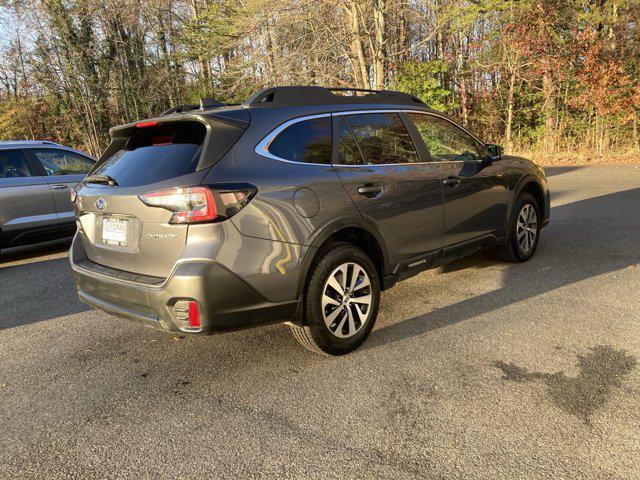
[
  {"x": 229, "y": 123},
  {"x": 235, "y": 116}
]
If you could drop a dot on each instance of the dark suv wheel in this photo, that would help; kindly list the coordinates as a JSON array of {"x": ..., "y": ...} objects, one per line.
[
  {"x": 524, "y": 230},
  {"x": 341, "y": 302}
]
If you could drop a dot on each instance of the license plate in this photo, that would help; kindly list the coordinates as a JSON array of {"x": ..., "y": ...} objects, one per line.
[{"x": 114, "y": 231}]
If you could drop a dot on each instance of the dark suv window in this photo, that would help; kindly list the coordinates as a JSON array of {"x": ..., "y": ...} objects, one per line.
[
  {"x": 446, "y": 141},
  {"x": 13, "y": 164},
  {"x": 381, "y": 139},
  {"x": 62, "y": 162},
  {"x": 154, "y": 154},
  {"x": 308, "y": 141}
]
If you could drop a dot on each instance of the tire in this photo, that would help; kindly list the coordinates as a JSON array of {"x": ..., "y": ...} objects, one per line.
[
  {"x": 335, "y": 323},
  {"x": 521, "y": 245}
]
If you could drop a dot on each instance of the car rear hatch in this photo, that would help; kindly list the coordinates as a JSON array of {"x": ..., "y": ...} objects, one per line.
[{"x": 120, "y": 223}]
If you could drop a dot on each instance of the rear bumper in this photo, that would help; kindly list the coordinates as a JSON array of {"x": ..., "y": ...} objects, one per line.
[{"x": 225, "y": 301}]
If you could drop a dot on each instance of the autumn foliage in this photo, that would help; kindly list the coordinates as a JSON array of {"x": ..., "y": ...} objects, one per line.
[{"x": 549, "y": 78}]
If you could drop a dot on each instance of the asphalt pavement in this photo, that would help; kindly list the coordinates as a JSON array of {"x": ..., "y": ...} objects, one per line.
[{"x": 479, "y": 369}]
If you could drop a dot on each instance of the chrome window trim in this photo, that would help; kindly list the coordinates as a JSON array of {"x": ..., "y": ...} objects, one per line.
[{"x": 263, "y": 147}]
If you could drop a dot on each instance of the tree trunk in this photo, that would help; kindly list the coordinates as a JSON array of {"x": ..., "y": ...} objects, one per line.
[
  {"x": 507, "y": 130},
  {"x": 379, "y": 51},
  {"x": 357, "y": 50},
  {"x": 462, "y": 81},
  {"x": 204, "y": 63},
  {"x": 549, "y": 107},
  {"x": 402, "y": 38}
]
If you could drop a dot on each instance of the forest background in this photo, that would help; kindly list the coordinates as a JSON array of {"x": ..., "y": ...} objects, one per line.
[{"x": 555, "y": 80}]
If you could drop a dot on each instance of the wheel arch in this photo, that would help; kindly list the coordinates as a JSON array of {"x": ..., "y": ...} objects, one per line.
[
  {"x": 530, "y": 184},
  {"x": 350, "y": 230},
  {"x": 533, "y": 187}
]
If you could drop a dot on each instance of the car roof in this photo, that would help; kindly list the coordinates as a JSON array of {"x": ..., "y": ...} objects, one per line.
[
  {"x": 278, "y": 104},
  {"x": 303, "y": 98},
  {"x": 12, "y": 144},
  {"x": 27, "y": 143},
  {"x": 313, "y": 95}
]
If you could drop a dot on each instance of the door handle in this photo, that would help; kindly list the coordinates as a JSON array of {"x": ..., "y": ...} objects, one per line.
[
  {"x": 451, "y": 182},
  {"x": 59, "y": 187},
  {"x": 370, "y": 190}
]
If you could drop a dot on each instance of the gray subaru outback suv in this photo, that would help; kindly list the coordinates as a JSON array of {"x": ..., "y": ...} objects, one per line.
[
  {"x": 35, "y": 180},
  {"x": 300, "y": 205}
]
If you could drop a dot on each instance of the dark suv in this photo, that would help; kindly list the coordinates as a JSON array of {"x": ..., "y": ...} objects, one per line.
[{"x": 299, "y": 205}]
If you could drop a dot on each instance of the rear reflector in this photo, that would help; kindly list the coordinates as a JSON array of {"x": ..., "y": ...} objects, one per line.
[
  {"x": 201, "y": 204},
  {"x": 194, "y": 315}
]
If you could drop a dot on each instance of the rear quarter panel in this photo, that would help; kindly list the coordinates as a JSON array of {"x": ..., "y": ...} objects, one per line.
[
  {"x": 295, "y": 201},
  {"x": 296, "y": 204}
]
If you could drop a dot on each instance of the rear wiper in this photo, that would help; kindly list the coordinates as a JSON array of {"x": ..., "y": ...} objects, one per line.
[{"x": 104, "y": 179}]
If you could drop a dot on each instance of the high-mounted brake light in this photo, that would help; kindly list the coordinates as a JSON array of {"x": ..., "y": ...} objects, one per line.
[
  {"x": 151, "y": 123},
  {"x": 200, "y": 204}
]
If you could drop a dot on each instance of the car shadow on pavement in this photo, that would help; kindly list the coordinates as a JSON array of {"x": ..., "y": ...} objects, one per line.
[
  {"x": 602, "y": 370},
  {"x": 33, "y": 253},
  {"x": 37, "y": 291},
  {"x": 585, "y": 239}
]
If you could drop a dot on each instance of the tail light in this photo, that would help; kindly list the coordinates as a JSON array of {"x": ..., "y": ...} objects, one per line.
[{"x": 201, "y": 204}]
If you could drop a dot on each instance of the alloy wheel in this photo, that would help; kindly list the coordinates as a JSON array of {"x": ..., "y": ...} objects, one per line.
[
  {"x": 527, "y": 228},
  {"x": 346, "y": 300}
]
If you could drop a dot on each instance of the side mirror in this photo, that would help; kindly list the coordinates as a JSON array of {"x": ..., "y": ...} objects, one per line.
[{"x": 492, "y": 152}]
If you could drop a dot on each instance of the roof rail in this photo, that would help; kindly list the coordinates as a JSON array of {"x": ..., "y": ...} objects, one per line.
[
  {"x": 206, "y": 103},
  {"x": 312, "y": 95}
]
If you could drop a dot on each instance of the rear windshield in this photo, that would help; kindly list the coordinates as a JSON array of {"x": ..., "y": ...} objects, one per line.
[{"x": 154, "y": 154}]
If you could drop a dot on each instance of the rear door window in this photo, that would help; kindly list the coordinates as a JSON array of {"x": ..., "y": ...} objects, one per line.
[
  {"x": 307, "y": 141},
  {"x": 381, "y": 138},
  {"x": 62, "y": 162},
  {"x": 154, "y": 154},
  {"x": 13, "y": 164}
]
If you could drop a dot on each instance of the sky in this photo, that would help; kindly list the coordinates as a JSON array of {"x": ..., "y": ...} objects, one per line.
[{"x": 9, "y": 25}]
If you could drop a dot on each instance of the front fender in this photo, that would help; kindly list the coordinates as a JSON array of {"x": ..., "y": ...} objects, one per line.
[{"x": 517, "y": 189}]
